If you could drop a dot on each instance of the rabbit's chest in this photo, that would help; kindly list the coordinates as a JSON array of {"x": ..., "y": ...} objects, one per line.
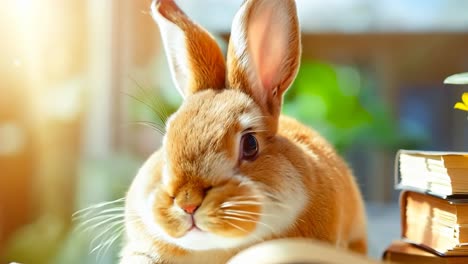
[{"x": 200, "y": 257}]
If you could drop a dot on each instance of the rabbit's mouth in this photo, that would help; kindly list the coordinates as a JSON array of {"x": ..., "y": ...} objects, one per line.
[{"x": 194, "y": 226}]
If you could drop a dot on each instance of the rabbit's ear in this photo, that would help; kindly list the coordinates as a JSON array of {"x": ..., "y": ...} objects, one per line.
[
  {"x": 264, "y": 50},
  {"x": 195, "y": 59}
]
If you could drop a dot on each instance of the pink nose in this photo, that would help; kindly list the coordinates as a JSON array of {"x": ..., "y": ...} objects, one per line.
[{"x": 190, "y": 209}]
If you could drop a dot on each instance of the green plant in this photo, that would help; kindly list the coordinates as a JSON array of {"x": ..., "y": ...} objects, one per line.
[{"x": 341, "y": 103}]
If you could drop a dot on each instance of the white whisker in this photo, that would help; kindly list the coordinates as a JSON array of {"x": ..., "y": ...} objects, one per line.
[
  {"x": 243, "y": 230},
  {"x": 273, "y": 197},
  {"x": 234, "y": 203},
  {"x": 96, "y": 206},
  {"x": 108, "y": 243},
  {"x": 242, "y": 212},
  {"x": 110, "y": 210},
  {"x": 108, "y": 219},
  {"x": 247, "y": 220},
  {"x": 103, "y": 233},
  {"x": 237, "y": 227},
  {"x": 237, "y": 198}
]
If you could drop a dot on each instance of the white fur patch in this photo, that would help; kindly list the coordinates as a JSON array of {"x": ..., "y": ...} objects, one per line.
[
  {"x": 174, "y": 42},
  {"x": 251, "y": 120},
  {"x": 280, "y": 213},
  {"x": 199, "y": 240},
  {"x": 239, "y": 36},
  {"x": 238, "y": 41},
  {"x": 166, "y": 175}
]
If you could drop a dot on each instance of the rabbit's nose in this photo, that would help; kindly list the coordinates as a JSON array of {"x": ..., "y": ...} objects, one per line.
[{"x": 190, "y": 209}]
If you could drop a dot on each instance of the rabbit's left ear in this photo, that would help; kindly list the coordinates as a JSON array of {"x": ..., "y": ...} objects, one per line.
[
  {"x": 264, "y": 51},
  {"x": 195, "y": 59}
]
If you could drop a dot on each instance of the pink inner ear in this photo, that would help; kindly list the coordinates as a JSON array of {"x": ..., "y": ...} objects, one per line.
[{"x": 268, "y": 36}]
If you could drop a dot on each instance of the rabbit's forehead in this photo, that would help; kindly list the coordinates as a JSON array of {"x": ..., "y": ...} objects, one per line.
[
  {"x": 209, "y": 120},
  {"x": 212, "y": 113}
]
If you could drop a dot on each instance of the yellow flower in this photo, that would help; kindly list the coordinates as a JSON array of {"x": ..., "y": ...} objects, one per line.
[{"x": 464, "y": 104}]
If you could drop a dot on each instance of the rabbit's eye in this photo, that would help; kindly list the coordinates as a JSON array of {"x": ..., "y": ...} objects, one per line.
[{"x": 249, "y": 147}]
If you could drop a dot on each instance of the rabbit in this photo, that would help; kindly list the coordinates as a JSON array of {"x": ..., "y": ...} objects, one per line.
[{"x": 232, "y": 171}]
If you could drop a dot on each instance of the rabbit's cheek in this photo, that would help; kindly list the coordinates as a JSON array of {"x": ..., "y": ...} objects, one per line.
[
  {"x": 169, "y": 217},
  {"x": 230, "y": 211},
  {"x": 237, "y": 221},
  {"x": 174, "y": 223}
]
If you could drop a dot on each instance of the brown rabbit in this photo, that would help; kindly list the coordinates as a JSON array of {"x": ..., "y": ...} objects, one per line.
[{"x": 232, "y": 171}]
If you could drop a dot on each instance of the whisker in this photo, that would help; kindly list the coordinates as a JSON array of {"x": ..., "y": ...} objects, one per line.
[
  {"x": 243, "y": 230},
  {"x": 116, "y": 236},
  {"x": 236, "y": 226},
  {"x": 282, "y": 205},
  {"x": 237, "y": 198},
  {"x": 120, "y": 222},
  {"x": 114, "y": 209},
  {"x": 264, "y": 203},
  {"x": 242, "y": 212},
  {"x": 162, "y": 111},
  {"x": 99, "y": 217},
  {"x": 94, "y": 223},
  {"x": 246, "y": 220},
  {"x": 97, "y": 206},
  {"x": 276, "y": 201},
  {"x": 149, "y": 124},
  {"x": 105, "y": 246},
  {"x": 103, "y": 233},
  {"x": 238, "y": 219},
  {"x": 272, "y": 196},
  {"x": 107, "y": 219},
  {"x": 251, "y": 217},
  {"x": 151, "y": 107},
  {"x": 103, "y": 212},
  {"x": 234, "y": 203}
]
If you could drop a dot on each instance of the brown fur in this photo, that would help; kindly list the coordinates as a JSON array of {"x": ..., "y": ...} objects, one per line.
[
  {"x": 337, "y": 209},
  {"x": 209, "y": 67},
  {"x": 198, "y": 164}
]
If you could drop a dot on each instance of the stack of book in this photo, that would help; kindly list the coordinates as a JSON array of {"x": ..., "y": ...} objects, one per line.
[{"x": 434, "y": 207}]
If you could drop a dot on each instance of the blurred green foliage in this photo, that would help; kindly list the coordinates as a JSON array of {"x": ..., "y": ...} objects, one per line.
[{"x": 343, "y": 104}]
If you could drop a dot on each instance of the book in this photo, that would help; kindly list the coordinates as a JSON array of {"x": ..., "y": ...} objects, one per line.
[
  {"x": 440, "y": 225},
  {"x": 405, "y": 253},
  {"x": 297, "y": 251},
  {"x": 443, "y": 174}
]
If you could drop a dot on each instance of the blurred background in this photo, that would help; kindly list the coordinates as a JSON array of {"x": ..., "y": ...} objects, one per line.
[{"x": 83, "y": 83}]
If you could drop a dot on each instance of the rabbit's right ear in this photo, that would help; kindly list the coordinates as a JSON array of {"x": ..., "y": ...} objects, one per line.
[
  {"x": 264, "y": 51},
  {"x": 195, "y": 59}
]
